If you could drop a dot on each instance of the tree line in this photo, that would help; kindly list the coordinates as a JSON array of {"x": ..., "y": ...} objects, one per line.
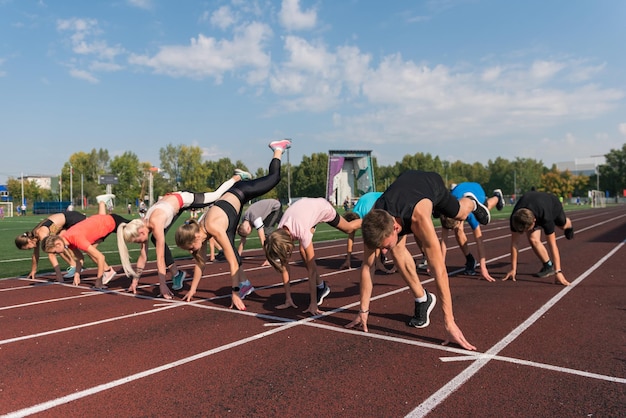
[{"x": 182, "y": 168}]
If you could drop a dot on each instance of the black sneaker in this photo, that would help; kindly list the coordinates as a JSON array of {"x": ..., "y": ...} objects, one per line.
[
  {"x": 421, "y": 319},
  {"x": 322, "y": 293},
  {"x": 569, "y": 233},
  {"x": 470, "y": 265},
  {"x": 498, "y": 193},
  {"x": 546, "y": 271},
  {"x": 481, "y": 212},
  {"x": 220, "y": 256}
]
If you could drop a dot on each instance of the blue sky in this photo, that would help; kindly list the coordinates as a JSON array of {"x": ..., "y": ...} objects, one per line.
[{"x": 467, "y": 80}]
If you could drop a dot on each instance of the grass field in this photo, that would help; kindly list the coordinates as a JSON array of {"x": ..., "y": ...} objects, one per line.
[{"x": 15, "y": 263}]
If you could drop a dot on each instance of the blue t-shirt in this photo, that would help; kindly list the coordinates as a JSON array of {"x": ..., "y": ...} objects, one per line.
[
  {"x": 477, "y": 190},
  {"x": 365, "y": 203}
]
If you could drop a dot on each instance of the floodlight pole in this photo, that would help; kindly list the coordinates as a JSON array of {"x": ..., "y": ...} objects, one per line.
[
  {"x": 288, "y": 179},
  {"x": 71, "y": 184}
]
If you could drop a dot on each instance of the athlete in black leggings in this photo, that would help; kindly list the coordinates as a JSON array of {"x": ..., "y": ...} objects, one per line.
[{"x": 221, "y": 221}]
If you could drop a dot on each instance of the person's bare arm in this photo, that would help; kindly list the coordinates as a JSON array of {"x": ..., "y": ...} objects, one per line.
[
  {"x": 423, "y": 228},
  {"x": 480, "y": 249},
  {"x": 365, "y": 286},
  {"x": 197, "y": 273},
  {"x": 515, "y": 236},
  {"x": 308, "y": 256},
  {"x": 347, "y": 264},
  {"x": 559, "y": 277}
]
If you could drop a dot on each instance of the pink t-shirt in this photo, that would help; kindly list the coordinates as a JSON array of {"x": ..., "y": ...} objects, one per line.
[{"x": 303, "y": 215}]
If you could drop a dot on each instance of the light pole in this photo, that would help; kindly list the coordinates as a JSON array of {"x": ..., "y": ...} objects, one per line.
[
  {"x": 71, "y": 184},
  {"x": 288, "y": 179}
]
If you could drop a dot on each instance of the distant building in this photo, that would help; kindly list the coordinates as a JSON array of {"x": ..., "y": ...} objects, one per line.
[
  {"x": 582, "y": 166},
  {"x": 4, "y": 193},
  {"x": 44, "y": 182}
]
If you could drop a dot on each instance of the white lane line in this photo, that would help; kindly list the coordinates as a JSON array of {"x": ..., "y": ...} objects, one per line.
[
  {"x": 536, "y": 365},
  {"x": 85, "y": 325},
  {"x": 438, "y": 397},
  {"x": 53, "y": 403}
]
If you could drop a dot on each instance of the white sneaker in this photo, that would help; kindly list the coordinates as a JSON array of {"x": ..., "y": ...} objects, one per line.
[
  {"x": 107, "y": 199},
  {"x": 108, "y": 275},
  {"x": 243, "y": 174}
]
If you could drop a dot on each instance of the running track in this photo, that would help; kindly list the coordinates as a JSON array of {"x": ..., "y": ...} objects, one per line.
[{"x": 543, "y": 349}]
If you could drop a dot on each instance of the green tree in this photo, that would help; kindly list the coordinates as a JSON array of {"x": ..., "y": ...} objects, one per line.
[
  {"x": 170, "y": 166},
  {"x": 32, "y": 192},
  {"x": 129, "y": 173},
  {"x": 500, "y": 176},
  {"x": 192, "y": 172},
  {"x": 85, "y": 176},
  {"x": 528, "y": 174},
  {"x": 217, "y": 172},
  {"x": 309, "y": 178},
  {"x": 613, "y": 173}
]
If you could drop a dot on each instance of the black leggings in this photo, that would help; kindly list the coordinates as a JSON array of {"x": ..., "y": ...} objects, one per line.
[
  {"x": 245, "y": 191},
  {"x": 248, "y": 190}
]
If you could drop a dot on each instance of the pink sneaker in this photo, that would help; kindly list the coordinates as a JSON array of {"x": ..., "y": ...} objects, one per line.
[
  {"x": 108, "y": 276},
  {"x": 245, "y": 289},
  {"x": 283, "y": 144}
]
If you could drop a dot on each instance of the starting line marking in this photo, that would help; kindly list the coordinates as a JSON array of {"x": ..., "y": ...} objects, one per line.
[{"x": 435, "y": 399}]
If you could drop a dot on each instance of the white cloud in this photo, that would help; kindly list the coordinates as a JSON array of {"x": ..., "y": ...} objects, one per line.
[
  {"x": 293, "y": 18},
  {"x": 223, "y": 18},
  {"x": 93, "y": 53},
  {"x": 545, "y": 69},
  {"x": 622, "y": 128},
  {"x": 210, "y": 57},
  {"x": 423, "y": 107},
  {"x": 315, "y": 78},
  {"x": 141, "y": 4},
  {"x": 84, "y": 75},
  {"x": 2, "y": 72}
]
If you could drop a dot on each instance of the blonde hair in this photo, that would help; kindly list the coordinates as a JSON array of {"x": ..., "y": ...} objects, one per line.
[
  {"x": 278, "y": 247},
  {"x": 126, "y": 232},
  {"x": 377, "y": 225},
  {"x": 48, "y": 244},
  {"x": 522, "y": 219},
  {"x": 186, "y": 235}
]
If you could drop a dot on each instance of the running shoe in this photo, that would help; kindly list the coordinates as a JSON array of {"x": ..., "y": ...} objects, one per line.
[
  {"x": 243, "y": 174},
  {"x": 108, "y": 275},
  {"x": 220, "y": 256},
  {"x": 107, "y": 199},
  {"x": 569, "y": 233},
  {"x": 177, "y": 280},
  {"x": 480, "y": 212},
  {"x": 283, "y": 144},
  {"x": 71, "y": 270},
  {"x": 546, "y": 271},
  {"x": 498, "y": 193},
  {"x": 421, "y": 319},
  {"x": 423, "y": 265},
  {"x": 322, "y": 293},
  {"x": 470, "y": 265},
  {"x": 245, "y": 288}
]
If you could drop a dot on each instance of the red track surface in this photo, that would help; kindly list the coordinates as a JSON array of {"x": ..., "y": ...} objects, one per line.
[{"x": 543, "y": 349}]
